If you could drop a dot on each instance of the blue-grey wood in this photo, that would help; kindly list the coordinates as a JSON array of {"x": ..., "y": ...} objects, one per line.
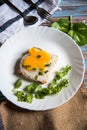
[
  {"x": 73, "y": 2},
  {"x": 75, "y": 11},
  {"x": 72, "y": 7}
]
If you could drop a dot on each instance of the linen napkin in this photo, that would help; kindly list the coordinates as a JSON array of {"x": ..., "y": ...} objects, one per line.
[{"x": 11, "y": 22}]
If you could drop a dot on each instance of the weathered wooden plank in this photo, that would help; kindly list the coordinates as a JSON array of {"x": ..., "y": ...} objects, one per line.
[
  {"x": 73, "y": 2},
  {"x": 75, "y": 11}
]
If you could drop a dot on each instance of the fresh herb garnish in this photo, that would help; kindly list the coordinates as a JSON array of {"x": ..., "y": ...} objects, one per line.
[
  {"x": 46, "y": 71},
  {"x": 18, "y": 83},
  {"x": 63, "y": 72},
  {"x": 20, "y": 95},
  {"x": 40, "y": 73},
  {"x": 28, "y": 97},
  {"x": 78, "y": 31},
  {"x": 30, "y": 88},
  {"x": 26, "y": 66},
  {"x": 36, "y": 77},
  {"x": 33, "y": 68},
  {"x": 38, "y": 56},
  {"x": 47, "y": 65},
  {"x": 35, "y": 90}
]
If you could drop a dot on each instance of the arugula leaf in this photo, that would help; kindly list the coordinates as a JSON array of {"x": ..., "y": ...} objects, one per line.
[
  {"x": 62, "y": 24},
  {"x": 78, "y": 31}
]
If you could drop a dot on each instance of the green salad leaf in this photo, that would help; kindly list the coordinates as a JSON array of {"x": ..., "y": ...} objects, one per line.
[
  {"x": 62, "y": 24},
  {"x": 18, "y": 83},
  {"x": 78, "y": 31},
  {"x": 20, "y": 95},
  {"x": 28, "y": 97}
]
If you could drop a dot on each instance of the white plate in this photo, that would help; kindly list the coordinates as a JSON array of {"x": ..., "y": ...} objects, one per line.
[{"x": 53, "y": 41}]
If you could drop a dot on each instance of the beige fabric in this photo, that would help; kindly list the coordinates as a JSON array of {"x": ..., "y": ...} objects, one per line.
[{"x": 70, "y": 116}]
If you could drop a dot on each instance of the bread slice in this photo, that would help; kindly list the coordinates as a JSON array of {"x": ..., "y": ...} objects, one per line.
[{"x": 37, "y": 75}]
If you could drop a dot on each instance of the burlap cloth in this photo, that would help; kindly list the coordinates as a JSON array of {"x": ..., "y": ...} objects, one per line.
[{"x": 70, "y": 116}]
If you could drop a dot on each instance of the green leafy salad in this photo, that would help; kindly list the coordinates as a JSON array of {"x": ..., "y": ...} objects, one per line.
[
  {"x": 78, "y": 31},
  {"x": 35, "y": 90}
]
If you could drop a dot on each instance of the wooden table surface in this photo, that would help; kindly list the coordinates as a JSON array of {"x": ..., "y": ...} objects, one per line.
[{"x": 76, "y": 8}]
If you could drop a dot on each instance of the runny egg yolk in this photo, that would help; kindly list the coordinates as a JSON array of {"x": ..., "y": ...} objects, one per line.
[{"x": 37, "y": 59}]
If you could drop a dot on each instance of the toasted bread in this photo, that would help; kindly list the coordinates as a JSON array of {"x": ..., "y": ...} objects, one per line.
[{"x": 37, "y": 74}]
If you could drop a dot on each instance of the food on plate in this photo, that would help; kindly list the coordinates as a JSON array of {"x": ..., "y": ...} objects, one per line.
[
  {"x": 34, "y": 90},
  {"x": 18, "y": 83},
  {"x": 39, "y": 65}
]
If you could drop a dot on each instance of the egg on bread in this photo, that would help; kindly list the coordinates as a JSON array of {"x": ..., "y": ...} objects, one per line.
[{"x": 39, "y": 65}]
